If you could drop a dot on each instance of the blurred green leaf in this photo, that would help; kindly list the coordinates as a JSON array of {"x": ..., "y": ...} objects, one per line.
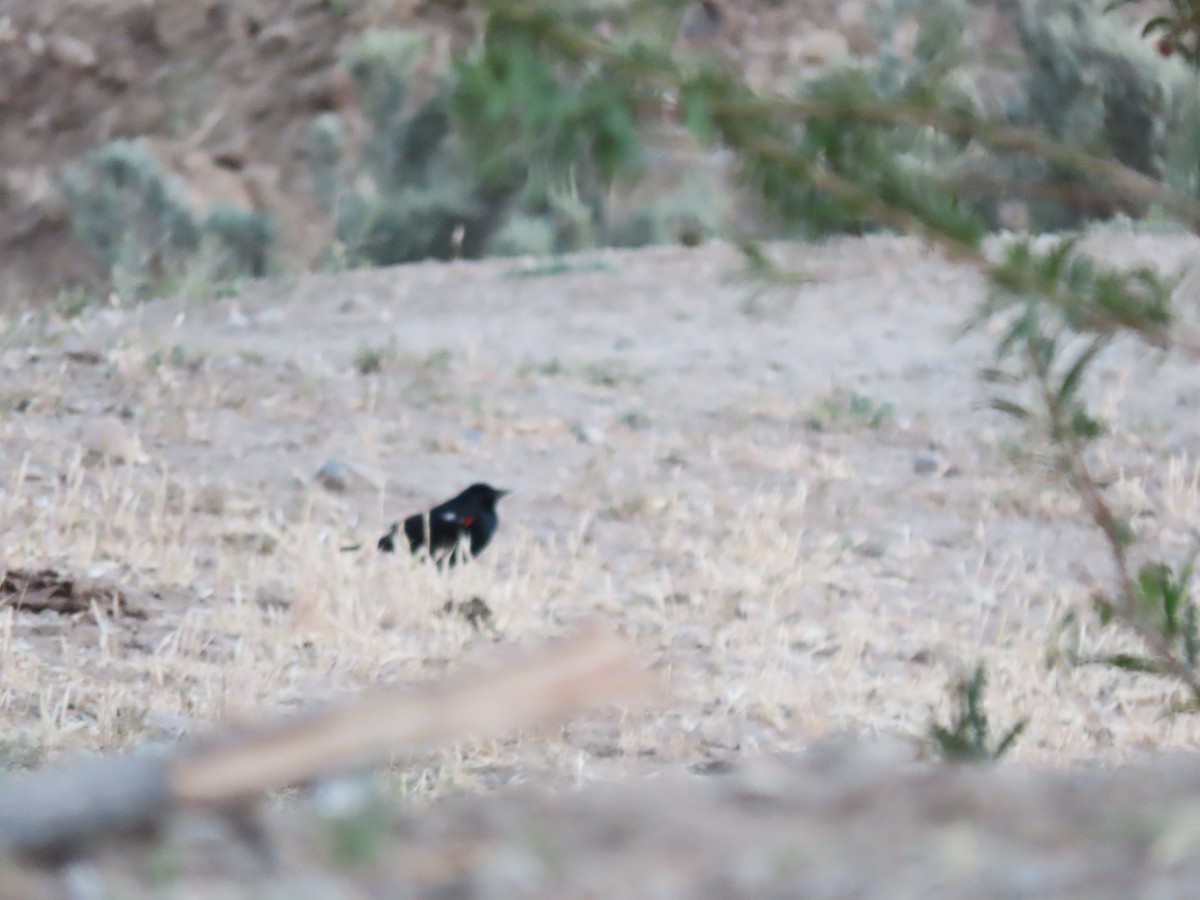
[
  {"x": 1133, "y": 663},
  {"x": 967, "y": 737},
  {"x": 1010, "y": 409},
  {"x": 1070, "y": 382}
]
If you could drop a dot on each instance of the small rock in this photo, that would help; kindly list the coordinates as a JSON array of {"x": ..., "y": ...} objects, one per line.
[
  {"x": 821, "y": 47},
  {"x": 277, "y": 38},
  {"x": 870, "y": 549},
  {"x": 337, "y": 476},
  {"x": 333, "y": 476},
  {"x": 926, "y": 463},
  {"x": 589, "y": 434},
  {"x": 100, "y": 570},
  {"x": 72, "y": 52}
]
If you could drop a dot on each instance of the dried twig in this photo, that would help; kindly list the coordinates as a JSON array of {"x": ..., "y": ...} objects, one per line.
[{"x": 46, "y": 590}]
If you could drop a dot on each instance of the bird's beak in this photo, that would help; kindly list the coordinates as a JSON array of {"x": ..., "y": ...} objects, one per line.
[{"x": 503, "y": 493}]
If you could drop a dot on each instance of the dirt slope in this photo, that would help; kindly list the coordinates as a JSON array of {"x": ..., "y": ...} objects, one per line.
[
  {"x": 227, "y": 91},
  {"x": 840, "y": 821}
]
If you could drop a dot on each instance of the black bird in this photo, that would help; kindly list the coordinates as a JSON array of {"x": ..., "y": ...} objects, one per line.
[{"x": 471, "y": 514}]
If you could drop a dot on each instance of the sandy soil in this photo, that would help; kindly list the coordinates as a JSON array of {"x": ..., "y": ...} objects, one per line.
[
  {"x": 796, "y": 503},
  {"x": 840, "y": 821}
]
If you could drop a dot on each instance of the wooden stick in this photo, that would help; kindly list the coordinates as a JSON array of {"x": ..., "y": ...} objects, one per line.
[
  {"x": 54, "y": 815},
  {"x": 589, "y": 670}
]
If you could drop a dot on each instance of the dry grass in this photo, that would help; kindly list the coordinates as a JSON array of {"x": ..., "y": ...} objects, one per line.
[{"x": 791, "y": 581}]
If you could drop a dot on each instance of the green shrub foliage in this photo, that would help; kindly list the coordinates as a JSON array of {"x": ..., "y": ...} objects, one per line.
[{"x": 136, "y": 220}]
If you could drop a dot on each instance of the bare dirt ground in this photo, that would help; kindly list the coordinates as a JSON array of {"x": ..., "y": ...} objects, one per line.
[{"x": 795, "y": 503}]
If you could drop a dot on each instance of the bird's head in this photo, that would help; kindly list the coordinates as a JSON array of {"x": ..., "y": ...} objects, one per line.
[{"x": 484, "y": 494}]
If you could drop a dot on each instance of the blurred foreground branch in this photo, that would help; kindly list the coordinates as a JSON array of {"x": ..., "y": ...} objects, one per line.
[{"x": 57, "y": 814}]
